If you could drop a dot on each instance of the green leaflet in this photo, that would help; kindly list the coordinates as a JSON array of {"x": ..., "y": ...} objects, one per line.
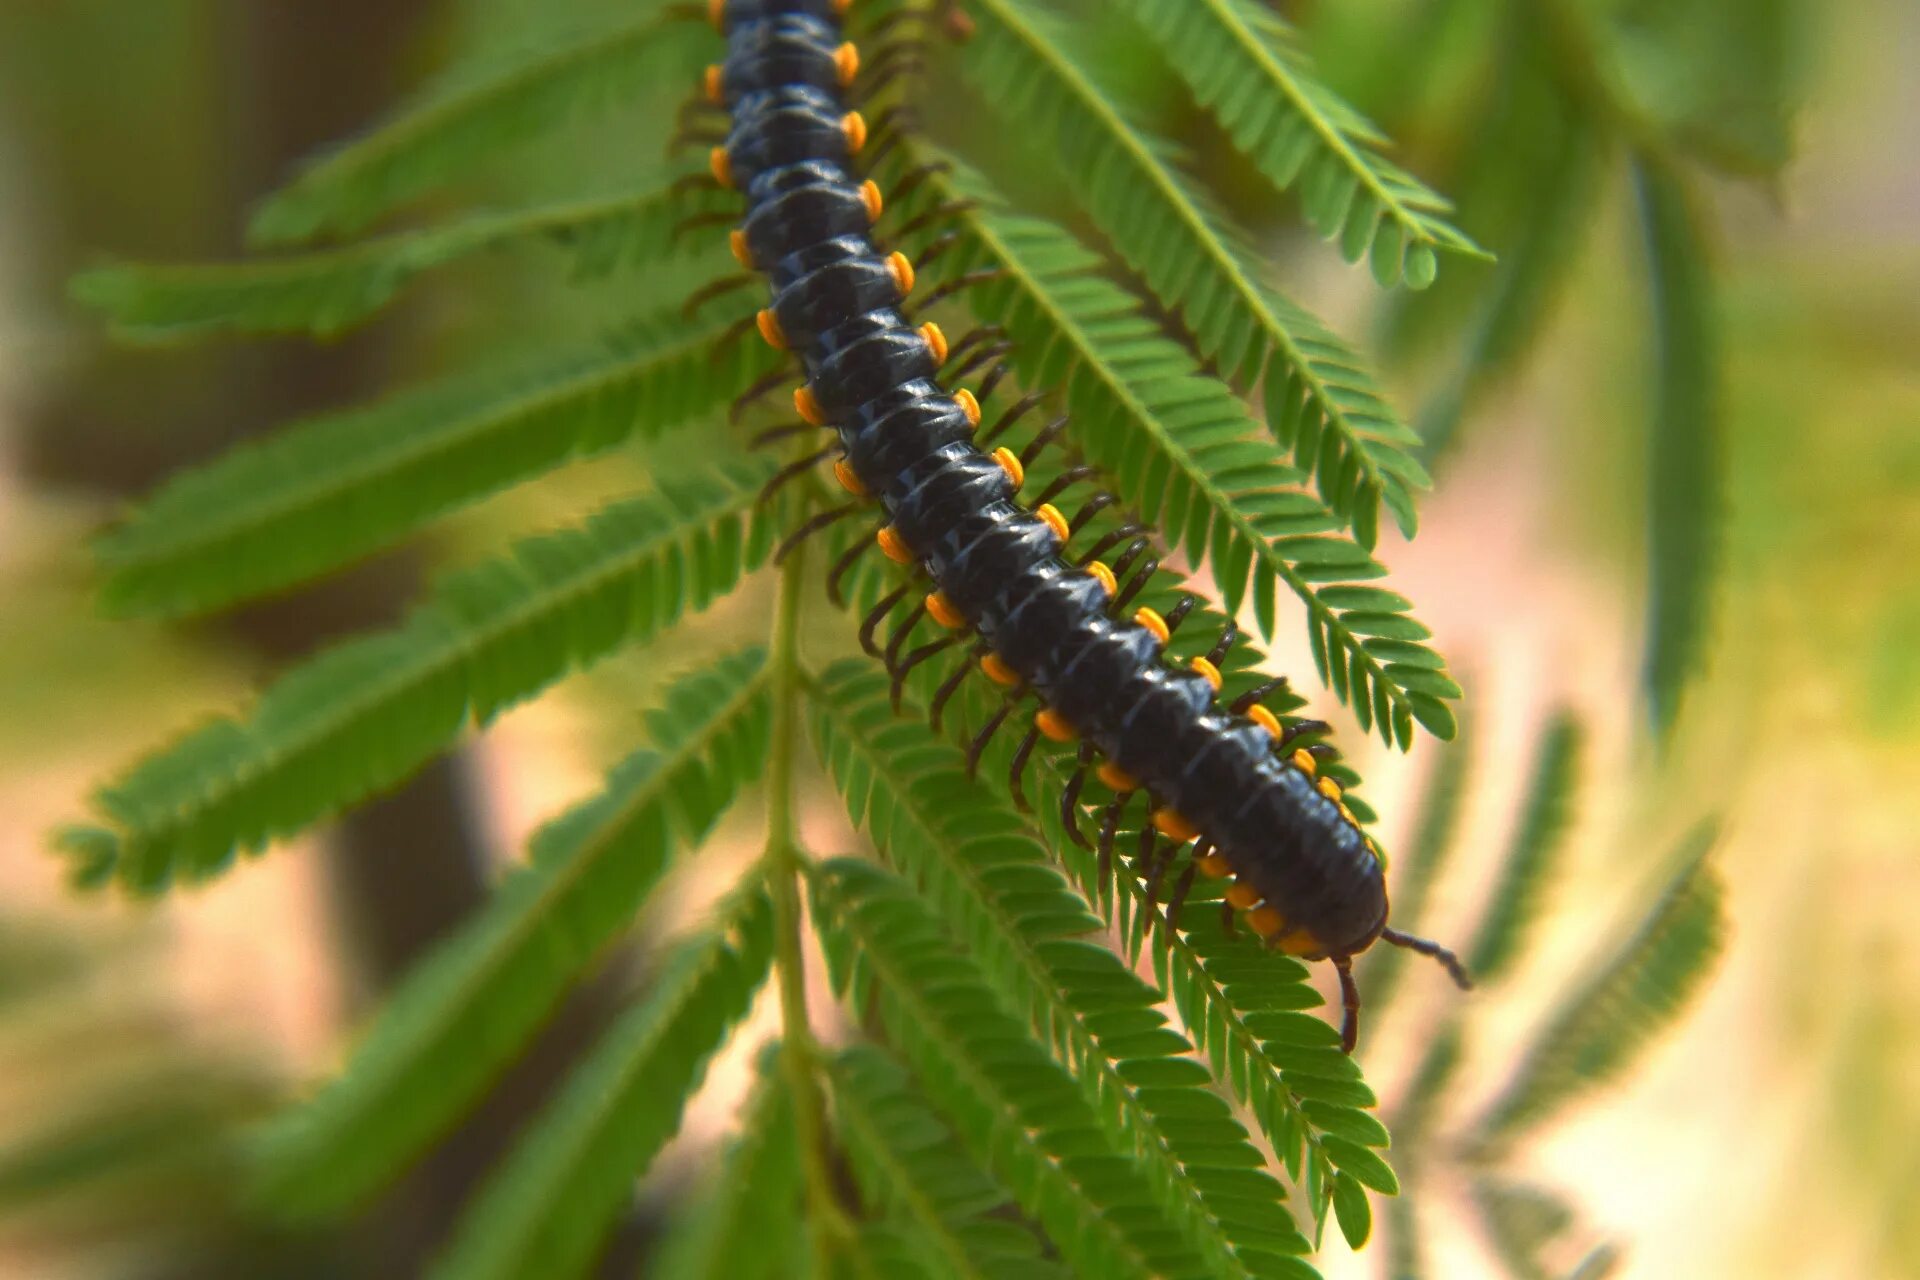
[
  {"x": 909, "y": 1162},
  {"x": 1241, "y": 62},
  {"x": 991, "y": 881},
  {"x": 1686, "y": 468},
  {"x": 748, "y": 1225},
  {"x": 548, "y": 1206},
  {"x": 1530, "y": 865},
  {"x": 473, "y": 112},
  {"x": 467, "y": 1010},
  {"x": 327, "y": 491},
  {"x": 362, "y": 716},
  {"x": 1018, "y": 1111},
  {"x": 1320, "y": 401},
  {"x": 329, "y": 292},
  {"x": 1183, "y": 449},
  {"x": 1597, "y": 1032}
]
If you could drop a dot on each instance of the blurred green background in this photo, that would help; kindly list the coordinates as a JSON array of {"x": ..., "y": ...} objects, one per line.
[{"x": 1775, "y": 1133}]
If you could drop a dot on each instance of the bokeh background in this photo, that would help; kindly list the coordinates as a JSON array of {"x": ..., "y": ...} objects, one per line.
[{"x": 1773, "y": 1132}]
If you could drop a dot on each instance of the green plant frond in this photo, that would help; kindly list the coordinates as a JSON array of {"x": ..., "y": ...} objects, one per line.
[
  {"x": 328, "y": 491},
  {"x": 1244, "y": 1006},
  {"x": 966, "y": 849},
  {"x": 1521, "y": 1222},
  {"x": 748, "y": 1226},
  {"x": 362, "y": 716},
  {"x": 548, "y": 1206},
  {"x": 474, "y": 112},
  {"x": 1184, "y": 450},
  {"x": 1242, "y": 63},
  {"x": 1533, "y": 860},
  {"x": 1601, "y": 1261},
  {"x": 1416, "y": 867},
  {"x": 329, "y": 292},
  {"x": 1320, "y": 400},
  {"x": 1018, "y": 1110},
  {"x": 1686, "y": 468},
  {"x": 909, "y": 1163},
  {"x": 463, "y": 1014},
  {"x": 1597, "y": 1032}
]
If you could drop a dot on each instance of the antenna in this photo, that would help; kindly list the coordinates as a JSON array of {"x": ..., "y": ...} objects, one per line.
[{"x": 1427, "y": 947}]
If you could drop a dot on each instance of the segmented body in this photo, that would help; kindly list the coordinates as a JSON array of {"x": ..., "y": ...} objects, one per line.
[{"x": 1307, "y": 877}]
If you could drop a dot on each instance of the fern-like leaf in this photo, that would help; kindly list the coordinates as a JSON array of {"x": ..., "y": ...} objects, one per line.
[
  {"x": 1242, "y": 62},
  {"x": 1016, "y": 1108},
  {"x": 329, "y": 292},
  {"x": 965, "y": 848},
  {"x": 362, "y": 716},
  {"x": 1604, "y": 1026},
  {"x": 474, "y": 111},
  {"x": 1320, "y": 400},
  {"x": 1686, "y": 456},
  {"x": 1244, "y": 1007},
  {"x": 547, "y": 1208},
  {"x": 1522, "y": 1221},
  {"x": 328, "y": 491},
  {"x": 1531, "y": 863},
  {"x": 908, "y": 1162},
  {"x": 1183, "y": 448},
  {"x": 748, "y": 1227},
  {"x": 460, "y": 1017}
]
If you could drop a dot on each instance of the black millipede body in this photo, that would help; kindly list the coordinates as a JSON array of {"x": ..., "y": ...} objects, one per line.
[{"x": 1306, "y": 877}]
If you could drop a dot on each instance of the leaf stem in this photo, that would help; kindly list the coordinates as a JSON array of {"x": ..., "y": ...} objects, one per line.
[{"x": 782, "y": 863}]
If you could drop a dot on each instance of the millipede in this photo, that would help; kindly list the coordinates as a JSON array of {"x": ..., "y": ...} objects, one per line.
[{"x": 1246, "y": 792}]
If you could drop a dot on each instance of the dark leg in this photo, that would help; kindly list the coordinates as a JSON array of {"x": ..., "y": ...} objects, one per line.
[
  {"x": 910, "y": 182},
  {"x": 1305, "y": 728},
  {"x": 843, "y": 566},
  {"x": 1014, "y": 412},
  {"x": 768, "y": 383},
  {"x": 877, "y": 615},
  {"x": 1089, "y": 509},
  {"x": 785, "y": 431},
  {"x": 1180, "y": 891},
  {"x": 1044, "y": 437},
  {"x": 1227, "y": 924},
  {"x": 959, "y": 284},
  {"x": 974, "y": 337},
  {"x": 898, "y": 640},
  {"x": 1224, "y": 643},
  {"x": 995, "y": 376},
  {"x": 980, "y": 740},
  {"x": 952, "y": 683},
  {"x": 937, "y": 246},
  {"x": 1349, "y": 1005},
  {"x": 1070, "y": 798},
  {"x": 1110, "y": 540},
  {"x": 1256, "y": 695},
  {"x": 798, "y": 467},
  {"x": 1135, "y": 585},
  {"x": 1065, "y": 480},
  {"x": 1110, "y": 827},
  {"x": 1019, "y": 766},
  {"x": 1178, "y": 614},
  {"x": 811, "y": 527},
  {"x": 947, "y": 209},
  {"x": 914, "y": 659},
  {"x": 714, "y": 288}
]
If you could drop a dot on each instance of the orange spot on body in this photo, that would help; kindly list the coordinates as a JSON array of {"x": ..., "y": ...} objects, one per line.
[
  {"x": 1010, "y": 463},
  {"x": 846, "y": 61},
  {"x": 901, "y": 266},
  {"x": 1243, "y": 895},
  {"x": 1152, "y": 621},
  {"x": 1170, "y": 824},
  {"x": 715, "y": 86},
  {"x": 1117, "y": 778},
  {"x": 936, "y": 341},
  {"x": 737, "y": 241},
  {"x": 1050, "y": 515},
  {"x": 875, "y": 202},
  {"x": 769, "y": 326},
  {"x": 999, "y": 672},
  {"x": 722, "y": 166},
  {"x": 1330, "y": 789},
  {"x": 808, "y": 407},
  {"x": 941, "y": 609},
  {"x": 1105, "y": 577},
  {"x": 1052, "y": 726},
  {"x": 1215, "y": 867},
  {"x": 968, "y": 405},
  {"x": 1267, "y": 922},
  {"x": 854, "y": 125},
  {"x": 1209, "y": 672},
  {"x": 1304, "y": 761},
  {"x": 1265, "y": 719},
  {"x": 848, "y": 481},
  {"x": 892, "y": 547}
]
